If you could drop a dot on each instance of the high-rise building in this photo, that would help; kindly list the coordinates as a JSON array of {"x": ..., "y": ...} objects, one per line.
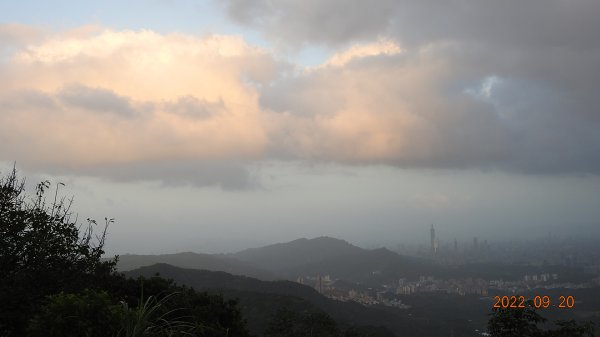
[{"x": 433, "y": 241}]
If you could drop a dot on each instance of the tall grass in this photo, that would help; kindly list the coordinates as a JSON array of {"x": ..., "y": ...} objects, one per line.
[{"x": 151, "y": 319}]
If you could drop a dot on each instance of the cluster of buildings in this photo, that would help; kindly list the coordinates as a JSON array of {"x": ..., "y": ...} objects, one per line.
[
  {"x": 390, "y": 294},
  {"x": 369, "y": 297},
  {"x": 540, "y": 278},
  {"x": 344, "y": 292},
  {"x": 468, "y": 286},
  {"x": 387, "y": 294}
]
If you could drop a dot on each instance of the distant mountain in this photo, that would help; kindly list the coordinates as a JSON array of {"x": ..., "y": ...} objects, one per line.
[
  {"x": 260, "y": 299},
  {"x": 337, "y": 258},
  {"x": 295, "y": 253},
  {"x": 195, "y": 261},
  {"x": 298, "y": 258}
]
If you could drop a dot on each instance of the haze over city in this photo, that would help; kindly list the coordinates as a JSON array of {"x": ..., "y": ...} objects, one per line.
[{"x": 214, "y": 126}]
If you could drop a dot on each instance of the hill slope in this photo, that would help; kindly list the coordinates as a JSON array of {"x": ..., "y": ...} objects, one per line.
[
  {"x": 195, "y": 261},
  {"x": 295, "y": 253},
  {"x": 338, "y": 258}
]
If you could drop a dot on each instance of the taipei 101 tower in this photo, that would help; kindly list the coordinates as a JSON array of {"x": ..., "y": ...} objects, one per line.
[{"x": 433, "y": 241}]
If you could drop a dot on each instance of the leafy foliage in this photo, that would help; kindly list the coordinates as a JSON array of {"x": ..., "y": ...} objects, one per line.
[
  {"x": 571, "y": 328},
  {"x": 89, "y": 313},
  {"x": 506, "y": 322},
  {"x": 289, "y": 323},
  {"x": 212, "y": 315},
  {"x": 282, "y": 324},
  {"x": 42, "y": 252},
  {"x": 523, "y": 322}
]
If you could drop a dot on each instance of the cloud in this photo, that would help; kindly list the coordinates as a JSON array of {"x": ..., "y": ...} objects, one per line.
[
  {"x": 335, "y": 22},
  {"x": 95, "y": 100},
  {"x": 359, "y": 51},
  {"x": 540, "y": 119},
  {"x": 184, "y": 109},
  {"x": 226, "y": 174},
  {"x": 13, "y": 34},
  {"x": 436, "y": 106},
  {"x": 108, "y": 99},
  {"x": 329, "y": 22},
  {"x": 386, "y": 108},
  {"x": 553, "y": 42}
]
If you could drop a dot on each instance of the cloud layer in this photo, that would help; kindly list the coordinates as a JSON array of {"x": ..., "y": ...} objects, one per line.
[
  {"x": 197, "y": 109},
  {"x": 109, "y": 99},
  {"x": 497, "y": 23},
  {"x": 529, "y": 66}
]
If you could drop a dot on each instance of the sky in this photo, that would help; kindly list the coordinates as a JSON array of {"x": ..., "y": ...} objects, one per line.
[{"x": 213, "y": 126}]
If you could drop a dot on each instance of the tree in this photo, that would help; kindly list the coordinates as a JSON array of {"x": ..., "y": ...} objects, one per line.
[
  {"x": 89, "y": 313},
  {"x": 282, "y": 324},
  {"x": 318, "y": 324},
  {"x": 287, "y": 323},
  {"x": 43, "y": 252},
  {"x": 523, "y": 322},
  {"x": 212, "y": 315},
  {"x": 571, "y": 328},
  {"x": 507, "y": 322}
]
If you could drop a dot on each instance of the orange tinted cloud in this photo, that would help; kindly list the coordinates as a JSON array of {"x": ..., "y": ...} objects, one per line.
[{"x": 105, "y": 97}]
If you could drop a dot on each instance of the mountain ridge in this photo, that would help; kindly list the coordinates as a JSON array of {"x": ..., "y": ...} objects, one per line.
[
  {"x": 193, "y": 260},
  {"x": 296, "y": 252},
  {"x": 335, "y": 257},
  {"x": 298, "y": 258}
]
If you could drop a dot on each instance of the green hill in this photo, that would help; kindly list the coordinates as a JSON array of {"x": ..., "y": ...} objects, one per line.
[
  {"x": 337, "y": 258},
  {"x": 260, "y": 299}
]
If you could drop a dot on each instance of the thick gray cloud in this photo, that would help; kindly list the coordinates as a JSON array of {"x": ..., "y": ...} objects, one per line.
[
  {"x": 516, "y": 88},
  {"x": 313, "y": 21},
  {"x": 512, "y": 22},
  {"x": 550, "y": 41},
  {"x": 439, "y": 119}
]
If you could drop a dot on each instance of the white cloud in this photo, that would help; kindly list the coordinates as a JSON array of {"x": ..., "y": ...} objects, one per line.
[{"x": 358, "y": 51}]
